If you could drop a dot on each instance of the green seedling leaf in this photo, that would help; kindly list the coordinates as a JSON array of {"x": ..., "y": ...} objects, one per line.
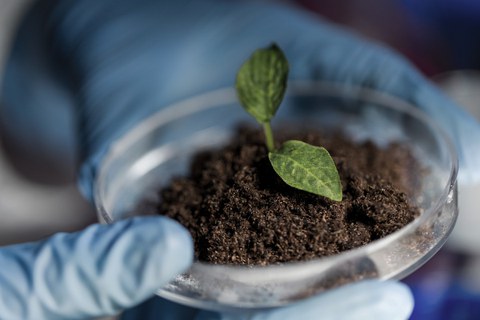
[
  {"x": 308, "y": 168},
  {"x": 261, "y": 83}
]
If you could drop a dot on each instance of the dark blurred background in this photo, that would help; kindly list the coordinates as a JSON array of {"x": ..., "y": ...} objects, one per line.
[{"x": 436, "y": 35}]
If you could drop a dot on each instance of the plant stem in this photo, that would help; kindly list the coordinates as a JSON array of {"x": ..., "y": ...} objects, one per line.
[{"x": 267, "y": 128}]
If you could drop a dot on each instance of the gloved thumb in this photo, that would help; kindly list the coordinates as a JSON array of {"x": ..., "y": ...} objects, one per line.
[{"x": 95, "y": 272}]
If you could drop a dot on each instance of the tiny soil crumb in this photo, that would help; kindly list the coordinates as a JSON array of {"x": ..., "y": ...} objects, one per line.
[{"x": 240, "y": 212}]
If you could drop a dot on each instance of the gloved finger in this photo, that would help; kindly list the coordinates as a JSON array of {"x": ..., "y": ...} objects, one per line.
[
  {"x": 364, "y": 300},
  {"x": 95, "y": 272}
]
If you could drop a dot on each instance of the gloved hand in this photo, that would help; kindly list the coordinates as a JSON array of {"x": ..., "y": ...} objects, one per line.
[
  {"x": 99, "y": 271},
  {"x": 117, "y": 62}
]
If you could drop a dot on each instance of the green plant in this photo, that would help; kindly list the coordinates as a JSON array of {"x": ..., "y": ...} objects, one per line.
[{"x": 261, "y": 84}]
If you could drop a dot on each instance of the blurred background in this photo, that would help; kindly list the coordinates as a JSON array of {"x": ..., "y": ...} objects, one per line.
[{"x": 439, "y": 36}]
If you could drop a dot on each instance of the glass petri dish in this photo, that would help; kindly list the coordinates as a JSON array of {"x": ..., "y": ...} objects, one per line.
[{"x": 160, "y": 147}]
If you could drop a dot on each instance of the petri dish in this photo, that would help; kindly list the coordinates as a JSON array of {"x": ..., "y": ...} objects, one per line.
[{"x": 160, "y": 147}]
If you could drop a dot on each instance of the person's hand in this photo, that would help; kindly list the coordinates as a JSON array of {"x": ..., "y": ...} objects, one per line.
[
  {"x": 126, "y": 59},
  {"x": 99, "y": 271},
  {"x": 117, "y": 62},
  {"x": 178, "y": 49}
]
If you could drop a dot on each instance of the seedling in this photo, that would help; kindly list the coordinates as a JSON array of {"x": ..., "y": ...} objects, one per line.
[{"x": 261, "y": 84}]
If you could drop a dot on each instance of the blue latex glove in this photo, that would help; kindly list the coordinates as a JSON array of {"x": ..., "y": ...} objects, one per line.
[
  {"x": 101, "y": 270},
  {"x": 116, "y": 62}
]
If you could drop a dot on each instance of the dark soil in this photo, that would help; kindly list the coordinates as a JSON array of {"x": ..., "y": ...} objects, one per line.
[{"x": 240, "y": 212}]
